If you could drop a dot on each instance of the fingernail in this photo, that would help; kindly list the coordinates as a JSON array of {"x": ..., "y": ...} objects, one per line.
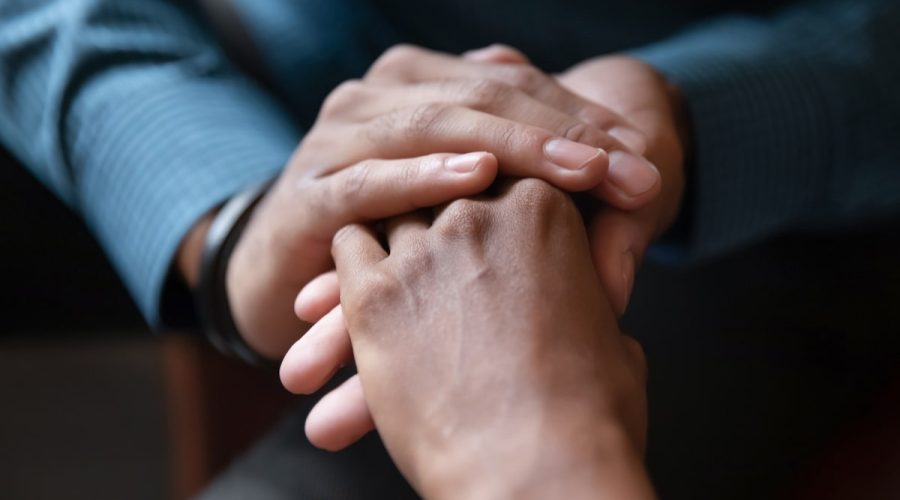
[
  {"x": 632, "y": 139},
  {"x": 570, "y": 155},
  {"x": 464, "y": 164},
  {"x": 628, "y": 265},
  {"x": 631, "y": 174}
]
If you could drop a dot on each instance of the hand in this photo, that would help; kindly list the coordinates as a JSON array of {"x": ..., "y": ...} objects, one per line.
[
  {"x": 618, "y": 238},
  {"x": 653, "y": 107},
  {"x": 386, "y": 116},
  {"x": 488, "y": 353}
]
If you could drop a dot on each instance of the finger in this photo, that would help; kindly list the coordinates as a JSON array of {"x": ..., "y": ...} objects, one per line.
[
  {"x": 632, "y": 181},
  {"x": 359, "y": 103},
  {"x": 318, "y": 297},
  {"x": 355, "y": 249},
  {"x": 318, "y": 355},
  {"x": 408, "y": 64},
  {"x": 377, "y": 189},
  {"x": 340, "y": 418},
  {"x": 497, "y": 54},
  {"x": 521, "y": 150},
  {"x": 618, "y": 243},
  {"x": 404, "y": 231}
]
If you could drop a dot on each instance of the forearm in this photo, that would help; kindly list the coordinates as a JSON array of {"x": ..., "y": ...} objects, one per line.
[
  {"x": 130, "y": 113},
  {"x": 790, "y": 117}
]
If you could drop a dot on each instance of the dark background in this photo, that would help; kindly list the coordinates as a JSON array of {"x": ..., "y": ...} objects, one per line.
[
  {"x": 81, "y": 386},
  {"x": 57, "y": 278}
]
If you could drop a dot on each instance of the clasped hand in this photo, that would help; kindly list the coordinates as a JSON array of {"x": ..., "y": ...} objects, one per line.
[
  {"x": 362, "y": 161},
  {"x": 489, "y": 353}
]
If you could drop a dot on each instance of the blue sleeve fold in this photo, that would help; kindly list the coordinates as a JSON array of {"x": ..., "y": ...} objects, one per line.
[{"x": 129, "y": 112}]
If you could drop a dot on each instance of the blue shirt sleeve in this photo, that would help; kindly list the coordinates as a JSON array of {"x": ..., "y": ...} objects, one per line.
[
  {"x": 796, "y": 120},
  {"x": 129, "y": 112}
]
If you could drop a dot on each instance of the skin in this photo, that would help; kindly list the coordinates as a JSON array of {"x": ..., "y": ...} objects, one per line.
[
  {"x": 527, "y": 121},
  {"x": 488, "y": 352},
  {"x": 619, "y": 238}
]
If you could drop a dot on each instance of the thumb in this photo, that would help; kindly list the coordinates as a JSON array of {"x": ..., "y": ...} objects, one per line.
[{"x": 618, "y": 243}]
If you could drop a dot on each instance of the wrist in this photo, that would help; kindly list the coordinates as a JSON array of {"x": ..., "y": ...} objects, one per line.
[
  {"x": 593, "y": 458},
  {"x": 212, "y": 295},
  {"x": 188, "y": 257},
  {"x": 261, "y": 285}
]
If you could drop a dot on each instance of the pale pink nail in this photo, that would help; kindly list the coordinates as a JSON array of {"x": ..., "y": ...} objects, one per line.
[
  {"x": 631, "y": 174},
  {"x": 464, "y": 164},
  {"x": 570, "y": 155}
]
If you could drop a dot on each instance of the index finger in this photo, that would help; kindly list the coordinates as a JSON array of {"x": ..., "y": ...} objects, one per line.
[
  {"x": 354, "y": 249},
  {"x": 409, "y": 64}
]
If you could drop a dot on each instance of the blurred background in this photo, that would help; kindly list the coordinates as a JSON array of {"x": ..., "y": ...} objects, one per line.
[
  {"x": 773, "y": 372},
  {"x": 94, "y": 405}
]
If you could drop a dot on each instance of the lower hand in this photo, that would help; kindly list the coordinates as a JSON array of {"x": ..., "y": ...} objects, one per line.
[{"x": 488, "y": 353}]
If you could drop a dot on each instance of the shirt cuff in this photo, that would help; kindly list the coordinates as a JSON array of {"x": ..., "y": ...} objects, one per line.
[
  {"x": 761, "y": 129},
  {"x": 167, "y": 152}
]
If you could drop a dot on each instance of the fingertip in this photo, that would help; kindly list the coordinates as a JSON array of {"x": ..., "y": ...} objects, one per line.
[
  {"x": 340, "y": 418},
  {"x": 589, "y": 175},
  {"x": 291, "y": 378},
  {"x": 468, "y": 163},
  {"x": 483, "y": 175},
  {"x": 469, "y": 174},
  {"x": 487, "y": 167},
  {"x": 300, "y": 309},
  {"x": 318, "y": 297},
  {"x": 632, "y": 181}
]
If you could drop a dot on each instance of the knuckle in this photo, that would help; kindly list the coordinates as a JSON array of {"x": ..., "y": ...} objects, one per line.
[
  {"x": 376, "y": 288},
  {"x": 394, "y": 59},
  {"x": 484, "y": 94},
  {"x": 516, "y": 137},
  {"x": 540, "y": 196},
  {"x": 417, "y": 262},
  {"x": 524, "y": 77},
  {"x": 411, "y": 171},
  {"x": 421, "y": 120},
  {"x": 343, "y": 96},
  {"x": 463, "y": 219},
  {"x": 353, "y": 180}
]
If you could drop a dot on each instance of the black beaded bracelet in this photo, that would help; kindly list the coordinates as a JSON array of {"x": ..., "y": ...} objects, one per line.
[{"x": 211, "y": 294}]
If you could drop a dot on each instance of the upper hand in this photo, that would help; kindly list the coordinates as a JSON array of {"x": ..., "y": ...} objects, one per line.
[{"x": 532, "y": 126}]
